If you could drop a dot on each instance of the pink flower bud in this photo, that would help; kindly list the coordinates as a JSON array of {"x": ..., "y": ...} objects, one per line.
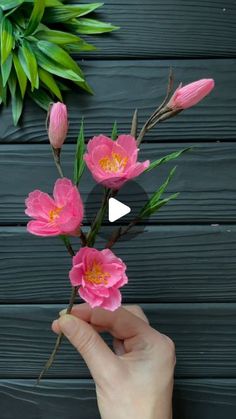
[
  {"x": 191, "y": 94},
  {"x": 58, "y": 124}
]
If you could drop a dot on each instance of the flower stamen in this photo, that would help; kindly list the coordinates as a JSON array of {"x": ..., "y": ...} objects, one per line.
[
  {"x": 113, "y": 163},
  {"x": 96, "y": 275}
]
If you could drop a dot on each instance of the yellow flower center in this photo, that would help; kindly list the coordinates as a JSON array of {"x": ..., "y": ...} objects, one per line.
[
  {"x": 96, "y": 274},
  {"x": 113, "y": 163},
  {"x": 53, "y": 214}
]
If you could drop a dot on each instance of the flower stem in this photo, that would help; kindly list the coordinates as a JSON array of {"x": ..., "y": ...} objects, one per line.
[
  {"x": 59, "y": 338},
  {"x": 56, "y": 152},
  {"x": 99, "y": 218}
]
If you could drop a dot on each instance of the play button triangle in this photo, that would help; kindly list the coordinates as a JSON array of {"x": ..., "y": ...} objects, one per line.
[{"x": 117, "y": 210}]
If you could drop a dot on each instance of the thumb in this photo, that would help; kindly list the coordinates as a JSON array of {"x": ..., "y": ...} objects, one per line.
[{"x": 98, "y": 356}]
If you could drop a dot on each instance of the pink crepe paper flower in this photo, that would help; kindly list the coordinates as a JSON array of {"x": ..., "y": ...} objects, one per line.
[
  {"x": 58, "y": 125},
  {"x": 189, "y": 95},
  {"x": 99, "y": 274},
  {"x": 112, "y": 163},
  {"x": 52, "y": 217}
]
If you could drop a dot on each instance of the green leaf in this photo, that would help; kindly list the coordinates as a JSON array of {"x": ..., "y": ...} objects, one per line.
[
  {"x": 52, "y": 67},
  {"x": 167, "y": 158},
  {"x": 65, "y": 13},
  {"x": 80, "y": 46},
  {"x": 17, "y": 106},
  {"x": 154, "y": 202},
  {"x": 6, "y": 70},
  {"x": 49, "y": 81},
  {"x": 89, "y": 26},
  {"x": 11, "y": 4},
  {"x": 41, "y": 98},
  {"x": 57, "y": 37},
  {"x": 3, "y": 92},
  {"x": 29, "y": 64},
  {"x": 79, "y": 164},
  {"x": 22, "y": 79},
  {"x": 114, "y": 133},
  {"x": 60, "y": 56},
  {"x": 12, "y": 83},
  {"x": 7, "y": 39},
  {"x": 36, "y": 16}
]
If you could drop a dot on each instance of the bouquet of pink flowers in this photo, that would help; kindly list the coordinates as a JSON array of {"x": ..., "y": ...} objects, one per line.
[{"x": 97, "y": 275}]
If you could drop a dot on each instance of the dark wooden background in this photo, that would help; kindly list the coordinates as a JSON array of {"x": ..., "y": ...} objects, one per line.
[{"x": 183, "y": 270}]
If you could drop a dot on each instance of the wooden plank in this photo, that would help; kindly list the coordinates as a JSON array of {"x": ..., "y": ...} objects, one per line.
[
  {"x": 204, "y": 335},
  {"x": 72, "y": 398},
  {"x": 205, "y": 178},
  {"x": 169, "y": 28},
  {"x": 122, "y": 86},
  {"x": 165, "y": 264}
]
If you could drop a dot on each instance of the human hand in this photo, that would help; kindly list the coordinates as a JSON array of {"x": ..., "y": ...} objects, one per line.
[{"x": 136, "y": 381}]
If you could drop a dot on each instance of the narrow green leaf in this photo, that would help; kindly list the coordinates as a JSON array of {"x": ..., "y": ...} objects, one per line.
[
  {"x": 36, "y": 16},
  {"x": 11, "y": 4},
  {"x": 12, "y": 83},
  {"x": 7, "y": 39},
  {"x": 29, "y": 64},
  {"x": 49, "y": 81},
  {"x": 79, "y": 164},
  {"x": 89, "y": 26},
  {"x": 65, "y": 13},
  {"x": 22, "y": 79},
  {"x": 3, "y": 91},
  {"x": 114, "y": 133},
  {"x": 167, "y": 158},
  {"x": 17, "y": 106},
  {"x": 159, "y": 204},
  {"x": 57, "y": 37},
  {"x": 153, "y": 204},
  {"x": 52, "y": 67},
  {"x": 41, "y": 98},
  {"x": 80, "y": 46},
  {"x": 60, "y": 56},
  {"x": 6, "y": 70},
  {"x": 48, "y": 3}
]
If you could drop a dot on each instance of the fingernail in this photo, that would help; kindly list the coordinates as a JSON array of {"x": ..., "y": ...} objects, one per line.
[
  {"x": 62, "y": 312},
  {"x": 67, "y": 324}
]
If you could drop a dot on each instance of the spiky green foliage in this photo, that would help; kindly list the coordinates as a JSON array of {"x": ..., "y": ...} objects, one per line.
[{"x": 37, "y": 38}]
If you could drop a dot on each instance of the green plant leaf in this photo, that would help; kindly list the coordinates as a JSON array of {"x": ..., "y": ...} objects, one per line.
[
  {"x": 17, "y": 106},
  {"x": 89, "y": 26},
  {"x": 50, "y": 83},
  {"x": 80, "y": 46},
  {"x": 36, "y": 16},
  {"x": 167, "y": 158},
  {"x": 57, "y": 37},
  {"x": 6, "y": 69},
  {"x": 79, "y": 164},
  {"x": 48, "y": 3},
  {"x": 7, "y": 39},
  {"x": 29, "y": 64},
  {"x": 22, "y": 79},
  {"x": 11, "y": 4},
  {"x": 3, "y": 92},
  {"x": 65, "y": 13},
  {"x": 154, "y": 202},
  {"x": 114, "y": 133},
  {"x": 52, "y": 67},
  {"x": 60, "y": 56},
  {"x": 41, "y": 98}
]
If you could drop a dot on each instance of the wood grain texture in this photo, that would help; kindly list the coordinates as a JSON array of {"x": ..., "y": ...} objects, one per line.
[
  {"x": 165, "y": 264},
  {"x": 122, "y": 86},
  {"x": 205, "y": 178},
  {"x": 204, "y": 335},
  {"x": 169, "y": 28},
  {"x": 70, "y": 398}
]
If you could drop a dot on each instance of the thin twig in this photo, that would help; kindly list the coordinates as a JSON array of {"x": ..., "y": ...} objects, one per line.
[
  {"x": 134, "y": 125},
  {"x": 56, "y": 152}
]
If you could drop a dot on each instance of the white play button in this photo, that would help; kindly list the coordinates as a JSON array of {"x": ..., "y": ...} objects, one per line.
[{"x": 117, "y": 210}]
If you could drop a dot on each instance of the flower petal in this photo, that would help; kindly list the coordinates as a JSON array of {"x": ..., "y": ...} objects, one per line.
[{"x": 41, "y": 228}]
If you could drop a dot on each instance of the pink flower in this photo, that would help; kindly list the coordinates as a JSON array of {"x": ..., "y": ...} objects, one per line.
[
  {"x": 99, "y": 274},
  {"x": 52, "y": 217},
  {"x": 191, "y": 94},
  {"x": 58, "y": 125},
  {"x": 112, "y": 163}
]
